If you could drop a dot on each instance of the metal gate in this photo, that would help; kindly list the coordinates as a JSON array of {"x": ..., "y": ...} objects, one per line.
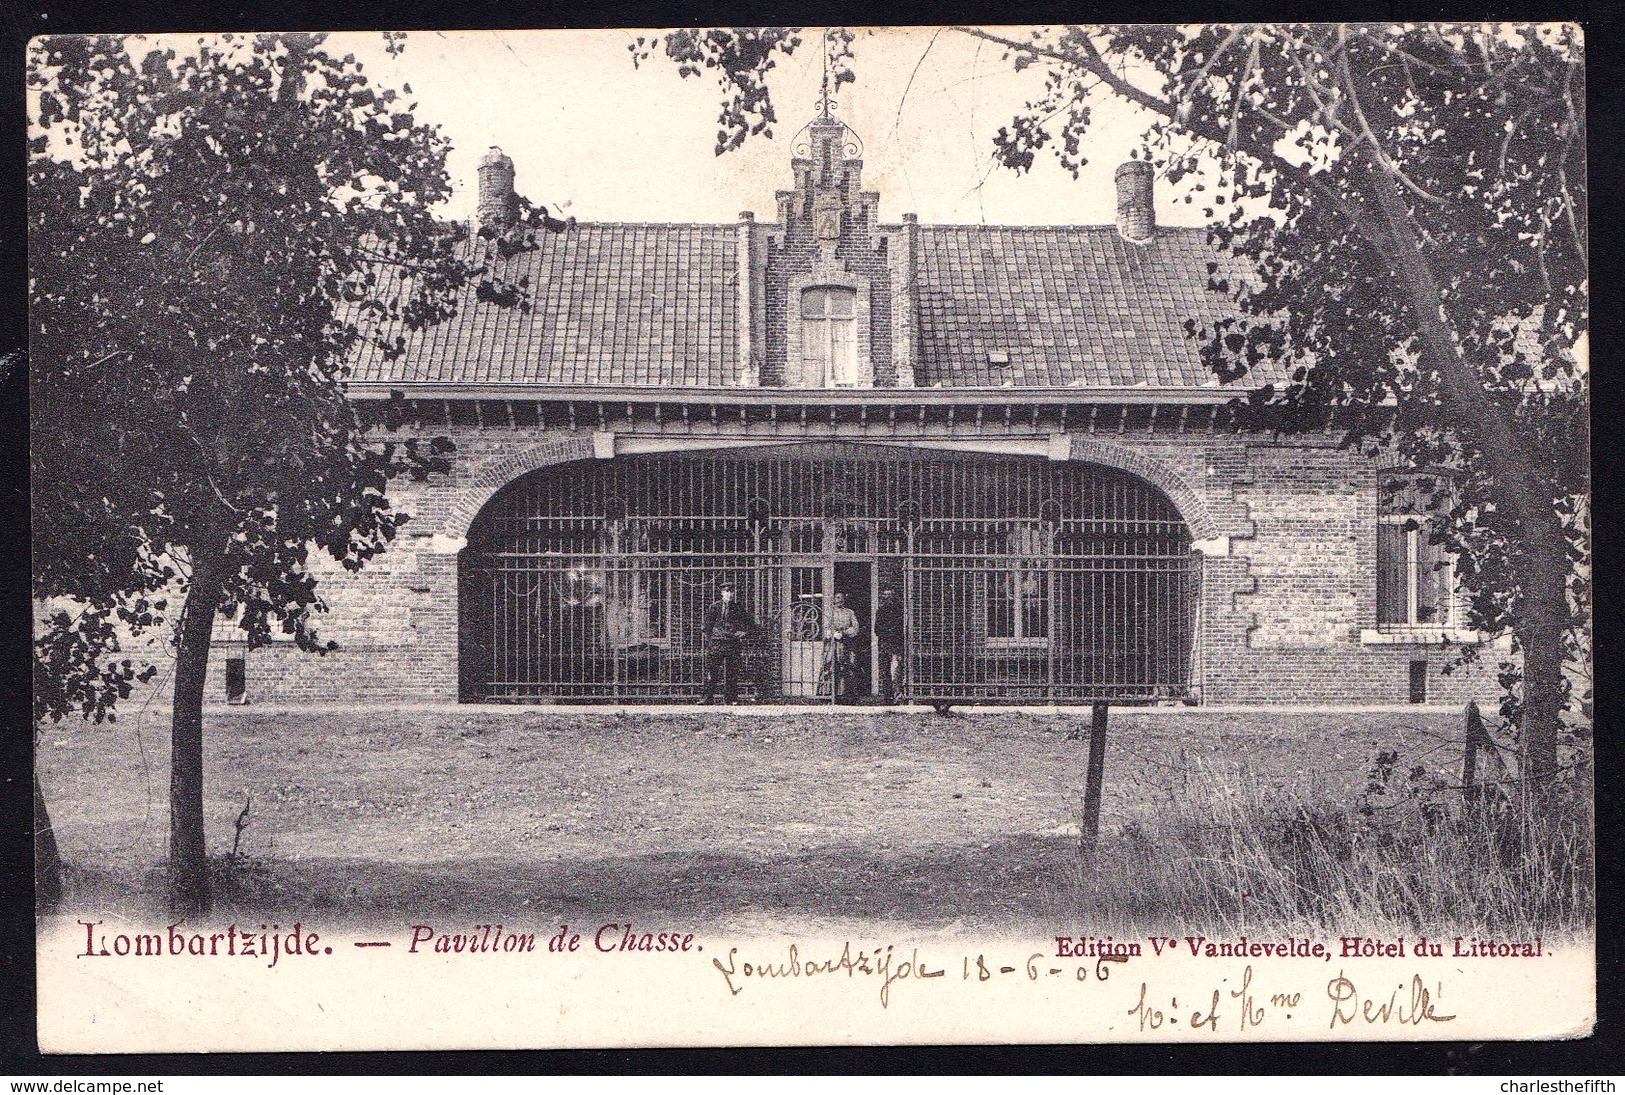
[{"x": 1022, "y": 579}]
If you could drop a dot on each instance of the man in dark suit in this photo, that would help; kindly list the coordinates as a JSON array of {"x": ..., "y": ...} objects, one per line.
[
  {"x": 889, "y": 639},
  {"x": 726, "y": 625}
]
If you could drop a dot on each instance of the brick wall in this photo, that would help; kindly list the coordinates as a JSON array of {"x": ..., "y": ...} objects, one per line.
[
  {"x": 1281, "y": 612},
  {"x": 1310, "y": 591}
]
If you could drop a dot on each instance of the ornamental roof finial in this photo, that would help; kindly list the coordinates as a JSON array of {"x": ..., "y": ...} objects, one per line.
[
  {"x": 826, "y": 104},
  {"x": 845, "y": 139}
]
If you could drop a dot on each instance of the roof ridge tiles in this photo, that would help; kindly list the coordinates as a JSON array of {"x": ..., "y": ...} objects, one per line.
[
  {"x": 722, "y": 226},
  {"x": 1162, "y": 229},
  {"x": 719, "y": 225}
]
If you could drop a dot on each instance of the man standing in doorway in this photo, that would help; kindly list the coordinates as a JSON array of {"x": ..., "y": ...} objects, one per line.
[
  {"x": 843, "y": 628},
  {"x": 889, "y": 642},
  {"x": 726, "y": 625}
]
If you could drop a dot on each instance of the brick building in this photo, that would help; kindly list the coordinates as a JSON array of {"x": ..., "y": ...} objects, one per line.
[{"x": 1007, "y": 425}]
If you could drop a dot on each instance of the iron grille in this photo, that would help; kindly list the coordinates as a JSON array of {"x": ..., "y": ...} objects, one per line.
[{"x": 1022, "y": 579}]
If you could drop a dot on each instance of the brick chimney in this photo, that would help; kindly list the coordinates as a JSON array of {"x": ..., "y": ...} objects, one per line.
[
  {"x": 1136, "y": 216},
  {"x": 498, "y": 205}
]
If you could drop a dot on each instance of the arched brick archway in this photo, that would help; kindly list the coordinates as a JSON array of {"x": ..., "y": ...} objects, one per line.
[
  {"x": 1092, "y": 450},
  {"x": 499, "y": 473},
  {"x": 1029, "y": 569}
]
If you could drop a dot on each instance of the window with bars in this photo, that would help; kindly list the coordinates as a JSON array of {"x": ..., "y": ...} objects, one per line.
[
  {"x": 1415, "y": 577},
  {"x": 637, "y": 611},
  {"x": 829, "y": 338},
  {"x": 1018, "y": 591}
]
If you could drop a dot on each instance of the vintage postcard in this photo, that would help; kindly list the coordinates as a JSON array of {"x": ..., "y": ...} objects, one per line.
[{"x": 811, "y": 536}]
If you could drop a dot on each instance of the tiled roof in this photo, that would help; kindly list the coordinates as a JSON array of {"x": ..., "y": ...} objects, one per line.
[
  {"x": 1071, "y": 307},
  {"x": 657, "y": 305},
  {"x": 613, "y": 304}
]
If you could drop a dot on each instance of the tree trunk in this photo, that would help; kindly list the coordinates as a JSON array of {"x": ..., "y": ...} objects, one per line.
[
  {"x": 1542, "y": 622},
  {"x": 1541, "y": 550},
  {"x": 1474, "y": 724},
  {"x": 1543, "y": 607},
  {"x": 47, "y": 860},
  {"x": 188, "y": 876}
]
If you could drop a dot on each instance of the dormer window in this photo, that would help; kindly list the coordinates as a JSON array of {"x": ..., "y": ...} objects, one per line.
[{"x": 829, "y": 337}]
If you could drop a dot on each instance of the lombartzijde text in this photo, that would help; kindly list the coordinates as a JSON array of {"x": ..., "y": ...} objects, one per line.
[
  {"x": 269, "y": 942},
  {"x": 883, "y": 963}
]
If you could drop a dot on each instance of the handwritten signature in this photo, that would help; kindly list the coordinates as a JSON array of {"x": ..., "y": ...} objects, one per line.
[
  {"x": 1412, "y": 1010},
  {"x": 881, "y": 963},
  {"x": 1243, "y": 1008},
  {"x": 1408, "y": 1004}
]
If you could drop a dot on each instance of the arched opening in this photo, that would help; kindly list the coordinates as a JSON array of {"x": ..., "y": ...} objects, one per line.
[{"x": 1021, "y": 579}]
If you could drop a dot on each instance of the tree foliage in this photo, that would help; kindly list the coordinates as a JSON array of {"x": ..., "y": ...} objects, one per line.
[
  {"x": 1408, "y": 207},
  {"x": 740, "y": 59},
  {"x": 1410, "y": 204},
  {"x": 192, "y": 222},
  {"x": 212, "y": 229}
]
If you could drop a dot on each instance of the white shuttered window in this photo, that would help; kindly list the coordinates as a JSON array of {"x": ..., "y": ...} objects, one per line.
[{"x": 829, "y": 338}]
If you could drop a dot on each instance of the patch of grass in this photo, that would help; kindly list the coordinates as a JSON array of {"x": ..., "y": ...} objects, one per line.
[
  {"x": 1233, "y": 856},
  {"x": 847, "y": 814},
  {"x": 245, "y": 882}
]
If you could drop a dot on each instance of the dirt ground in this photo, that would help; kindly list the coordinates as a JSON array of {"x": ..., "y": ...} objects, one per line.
[{"x": 752, "y": 820}]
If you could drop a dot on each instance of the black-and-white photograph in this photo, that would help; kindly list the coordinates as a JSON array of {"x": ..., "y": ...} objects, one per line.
[{"x": 811, "y": 535}]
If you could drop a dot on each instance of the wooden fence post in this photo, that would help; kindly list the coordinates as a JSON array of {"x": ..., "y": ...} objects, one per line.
[
  {"x": 1089, "y": 836},
  {"x": 1470, "y": 791}
]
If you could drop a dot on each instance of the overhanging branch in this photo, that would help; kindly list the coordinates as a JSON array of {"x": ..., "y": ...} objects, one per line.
[{"x": 1093, "y": 62}]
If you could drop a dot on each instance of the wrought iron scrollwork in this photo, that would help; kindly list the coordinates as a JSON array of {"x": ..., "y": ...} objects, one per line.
[
  {"x": 806, "y": 622},
  {"x": 1049, "y": 514},
  {"x": 851, "y": 145},
  {"x": 757, "y": 513}
]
